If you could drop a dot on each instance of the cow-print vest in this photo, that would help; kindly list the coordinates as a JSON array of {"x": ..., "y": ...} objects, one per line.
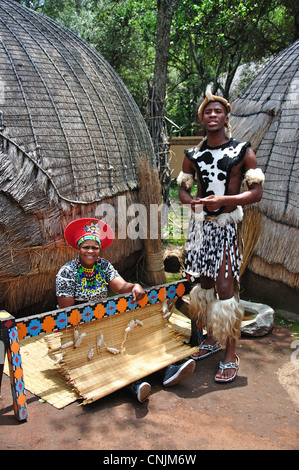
[{"x": 214, "y": 166}]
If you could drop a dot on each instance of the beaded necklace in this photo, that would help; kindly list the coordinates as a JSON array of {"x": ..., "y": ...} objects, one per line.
[{"x": 90, "y": 280}]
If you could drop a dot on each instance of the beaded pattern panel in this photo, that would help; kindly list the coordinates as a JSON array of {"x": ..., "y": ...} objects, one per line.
[
  {"x": 16, "y": 376},
  {"x": 60, "y": 319},
  {"x": 10, "y": 341}
]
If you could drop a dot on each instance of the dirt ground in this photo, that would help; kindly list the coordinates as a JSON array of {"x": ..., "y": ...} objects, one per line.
[{"x": 259, "y": 410}]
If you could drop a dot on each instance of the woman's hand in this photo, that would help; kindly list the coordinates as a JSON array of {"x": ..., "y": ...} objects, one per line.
[
  {"x": 120, "y": 286},
  {"x": 137, "y": 292}
]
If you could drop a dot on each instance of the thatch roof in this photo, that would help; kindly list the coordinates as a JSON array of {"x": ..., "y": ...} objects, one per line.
[
  {"x": 67, "y": 108},
  {"x": 267, "y": 114},
  {"x": 71, "y": 138}
]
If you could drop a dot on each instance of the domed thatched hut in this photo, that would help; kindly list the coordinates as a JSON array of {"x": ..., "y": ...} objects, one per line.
[
  {"x": 71, "y": 137},
  {"x": 267, "y": 114}
]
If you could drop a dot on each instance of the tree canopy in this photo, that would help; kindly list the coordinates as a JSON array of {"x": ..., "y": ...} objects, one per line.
[{"x": 209, "y": 40}]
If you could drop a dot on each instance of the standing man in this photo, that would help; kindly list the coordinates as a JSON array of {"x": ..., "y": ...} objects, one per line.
[{"x": 213, "y": 258}]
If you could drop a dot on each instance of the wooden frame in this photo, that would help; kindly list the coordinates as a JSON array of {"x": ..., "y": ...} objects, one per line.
[{"x": 13, "y": 330}]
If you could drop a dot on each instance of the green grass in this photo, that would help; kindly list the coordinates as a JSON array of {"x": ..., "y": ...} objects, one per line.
[
  {"x": 174, "y": 192},
  {"x": 173, "y": 277},
  {"x": 293, "y": 325},
  {"x": 170, "y": 233}
]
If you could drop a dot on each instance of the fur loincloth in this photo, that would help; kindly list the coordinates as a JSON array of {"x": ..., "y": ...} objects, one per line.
[{"x": 209, "y": 240}]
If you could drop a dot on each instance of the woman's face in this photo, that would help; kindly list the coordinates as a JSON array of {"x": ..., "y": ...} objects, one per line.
[{"x": 89, "y": 251}]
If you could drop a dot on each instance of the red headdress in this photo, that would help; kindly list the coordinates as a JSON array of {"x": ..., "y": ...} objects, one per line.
[{"x": 88, "y": 229}]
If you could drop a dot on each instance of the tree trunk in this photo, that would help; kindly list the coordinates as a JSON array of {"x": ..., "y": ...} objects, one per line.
[{"x": 157, "y": 94}]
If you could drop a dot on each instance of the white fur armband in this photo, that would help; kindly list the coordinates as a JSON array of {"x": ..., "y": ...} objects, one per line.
[
  {"x": 254, "y": 175},
  {"x": 185, "y": 178}
]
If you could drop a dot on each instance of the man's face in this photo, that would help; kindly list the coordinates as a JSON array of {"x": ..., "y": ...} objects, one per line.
[{"x": 214, "y": 116}]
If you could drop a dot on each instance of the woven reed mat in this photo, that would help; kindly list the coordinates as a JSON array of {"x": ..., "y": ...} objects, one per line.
[
  {"x": 148, "y": 347},
  {"x": 41, "y": 376}
]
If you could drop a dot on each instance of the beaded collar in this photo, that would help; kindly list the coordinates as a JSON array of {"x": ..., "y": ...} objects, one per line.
[{"x": 90, "y": 280}]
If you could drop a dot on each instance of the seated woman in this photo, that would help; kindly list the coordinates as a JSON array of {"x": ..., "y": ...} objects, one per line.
[{"x": 88, "y": 277}]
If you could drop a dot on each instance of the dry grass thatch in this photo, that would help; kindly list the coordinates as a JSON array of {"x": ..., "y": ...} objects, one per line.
[
  {"x": 70, "y": 139},
  {"x": 67, "y": 108},
  {"x": 150, "y": 197},
  {"x": 267, "y": 114},
  {"x": 30, "y": 262},
  {"x": 251, "y": 229}
]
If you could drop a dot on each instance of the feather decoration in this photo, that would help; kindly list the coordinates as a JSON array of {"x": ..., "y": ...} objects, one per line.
[
  {"x": 76, "y": 334},
  {"x": 67, "y": 345},
  {"x": 100, "y": 341},
  {"x": 90, "y": 354},
  {"x": 79, "y": 340},
  {"x": 59, "y": 359},
  {"x": 209, "y": 94},
  {"x": 131, "y": 325},
  {"x": 165, "y": 310},
  {"x": 113, "y": 350}
]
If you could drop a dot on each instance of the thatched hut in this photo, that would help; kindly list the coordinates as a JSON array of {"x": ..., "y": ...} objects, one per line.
[
  {"x": 267, "y": 114},
  {"x": 71, "y": 137}
]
